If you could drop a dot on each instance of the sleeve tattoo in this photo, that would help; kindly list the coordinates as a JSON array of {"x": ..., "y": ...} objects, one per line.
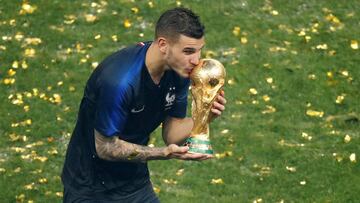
[{"x": 115, "y": 149}]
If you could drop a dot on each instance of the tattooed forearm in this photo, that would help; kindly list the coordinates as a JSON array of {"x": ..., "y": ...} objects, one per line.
[{"x": 115, "y": 149}]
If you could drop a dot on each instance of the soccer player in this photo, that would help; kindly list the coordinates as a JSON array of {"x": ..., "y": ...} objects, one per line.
[{"x": 127, "y": 97}]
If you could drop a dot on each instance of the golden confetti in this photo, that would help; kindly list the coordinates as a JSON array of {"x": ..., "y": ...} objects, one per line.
[
  {"x": 314, "y": 113},
  {"x": 347, "y": 138},
  {"x": 20, "y": 198},
  {"x": 344, "y": 73},
  {"x": 307, "y": 38},
  {"x": 127, "y": 23},
  {"x": 258, "y": 200},
  {"x": 224, "y": 154},
  {"x": 303, "y": 182},
  {"x": 9, "y": 81},
  {"x": 354, "y": 44},
  {"x": 53, "y": 151},
  {"x": 24, "y": 65},
  {"x": 42, "y": 180},
  {"x": 253, "y": 91},
  {"x": 322, "y": 46},
  {"x": 269, "y": 109},
  {"x": 306, "y": 136},
  {"x": 32, "y": 41},
  {"x": 170, "y": 181},
  {"x": 243, "y": 40},
  {"x": 29, "y": 186},
  {"x": 340, "y": 99},
  {"x": 97, "y": 37},
  {"x": 180, "y": 172},
  {"x": 266, "y": 98},
  {"x": 135, "y": 10},
  {"x": 338, "y": 157},
  {"x": 156, "y": 189},
  {"x": 59, "y": 194},
  {"x": 217, "y": 181},
  {"x": 19, "y": 36},
  {"x": 11, "y": 72},
  {"x": 291, "y": 169},
  {"x": 114, "y": 38},
  {"x": 312, "y": 77},
  {"x": 26, "y": 8},
  {"x": 69, "y": 19},
  {"x": 225, "y": 131},
  {"x": 352, "y": 157},
  {"x": 236, "y": 31},
  {"x": 90, "y": 18},
  {"x": 274, "y": 12},
  {"x": 151, "y": 4},
  {"x": 231, "y": 82},
  {"x": 30, "y": 52}
]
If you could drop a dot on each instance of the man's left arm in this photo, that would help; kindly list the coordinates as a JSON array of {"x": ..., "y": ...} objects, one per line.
[{"x": 176, "y": 130}]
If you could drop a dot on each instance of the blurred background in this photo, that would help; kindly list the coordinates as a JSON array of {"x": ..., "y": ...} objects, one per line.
[{"x": 290, "y": 132}]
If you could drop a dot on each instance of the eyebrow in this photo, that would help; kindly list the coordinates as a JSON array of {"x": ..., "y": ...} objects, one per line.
[{"x": 192, "y": 49}]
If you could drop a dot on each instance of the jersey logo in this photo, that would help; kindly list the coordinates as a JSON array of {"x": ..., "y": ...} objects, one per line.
[
  {"x": 138, "y": 110},
  {"x": 170, "y": 98}
]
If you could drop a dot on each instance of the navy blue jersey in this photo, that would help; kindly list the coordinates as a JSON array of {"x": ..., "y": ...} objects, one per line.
[{"x": 120, "y": 99}]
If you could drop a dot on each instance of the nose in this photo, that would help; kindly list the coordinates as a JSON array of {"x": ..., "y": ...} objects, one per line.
[{"x": 195, "y": 59}]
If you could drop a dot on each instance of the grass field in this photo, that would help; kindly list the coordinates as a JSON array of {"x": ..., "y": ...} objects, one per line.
[{"x": 291, "y": 130}]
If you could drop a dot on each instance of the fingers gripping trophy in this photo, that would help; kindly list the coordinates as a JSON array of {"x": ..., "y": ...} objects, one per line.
[{"x": 207, "y": 79}]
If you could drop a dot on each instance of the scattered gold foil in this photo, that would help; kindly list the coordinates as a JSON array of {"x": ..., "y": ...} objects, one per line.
[
  {"x": 180, "y": 172},
  {"x": 306, "y": 136},
  {"x": 354, "y": 44},
  {"x": 352, "y": 157},
  {"x": 253, "y": 91},
  {"x": 127, "y": 23},
  {"x": 314, "y": 113},
  {"x": 30, "y": 52},
  {"x": 26, "y": 8},
  {"x": 291, "y": 169},
  {"x": 269, "y": 109},
  {"x": 156, "y": 189},
  {"x": 170, "y": 181},
  {"x": 303, "y": 182},
  {"x": 266, "y": 98},
  {"x": 347, "y": 138},
  {"x": 217, "y": 181},
  {"x": 340, "y": 99},
  {"x": 90, "y": 18},
  {"x": 236, "y": 31}
]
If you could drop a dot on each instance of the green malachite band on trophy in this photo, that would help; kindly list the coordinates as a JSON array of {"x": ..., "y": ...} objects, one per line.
[
  {"x": 197, "y": 141},
  {"x": 201, "y": 151},
  {"x": 194, "y": 143}
]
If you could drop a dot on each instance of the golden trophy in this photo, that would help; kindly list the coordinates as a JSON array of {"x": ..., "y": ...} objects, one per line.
[{"x": 207, "y": 79}]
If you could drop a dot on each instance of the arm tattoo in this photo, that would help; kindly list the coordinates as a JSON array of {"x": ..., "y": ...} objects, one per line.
[{"x": 115, "y": 149}]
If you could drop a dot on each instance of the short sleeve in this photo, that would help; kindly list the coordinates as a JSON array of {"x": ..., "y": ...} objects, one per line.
[
  {"x": 112, "y": 106},
  {"x": 180, "y": 105}
]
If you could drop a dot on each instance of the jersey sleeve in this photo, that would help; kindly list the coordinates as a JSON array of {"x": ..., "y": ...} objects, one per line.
[
  {"x": 180, "y": 105},
  {"x": 112, "y": 108}
]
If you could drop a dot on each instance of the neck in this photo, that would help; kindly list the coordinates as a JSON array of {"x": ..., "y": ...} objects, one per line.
[{"x": 155, "y": 63}]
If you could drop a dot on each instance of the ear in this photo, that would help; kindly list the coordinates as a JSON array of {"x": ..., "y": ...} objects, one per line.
[{"x": 162, "y": 44}]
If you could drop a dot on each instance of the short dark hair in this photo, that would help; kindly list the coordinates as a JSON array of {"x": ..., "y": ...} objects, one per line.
[{"x": 178, "y": 21}]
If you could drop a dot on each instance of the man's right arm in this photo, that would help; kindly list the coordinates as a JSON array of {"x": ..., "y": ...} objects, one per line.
[{"x": 115, "y": 149}]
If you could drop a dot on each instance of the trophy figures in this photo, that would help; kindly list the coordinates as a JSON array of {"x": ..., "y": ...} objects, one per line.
[{"x": 207, "y": 79}]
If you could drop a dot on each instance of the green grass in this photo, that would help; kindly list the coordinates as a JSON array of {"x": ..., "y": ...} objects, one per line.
[{"x": 265, "y": 155}]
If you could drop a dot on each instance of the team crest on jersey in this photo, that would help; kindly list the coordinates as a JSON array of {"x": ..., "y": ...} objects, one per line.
[{"x": 170, "y": 98}]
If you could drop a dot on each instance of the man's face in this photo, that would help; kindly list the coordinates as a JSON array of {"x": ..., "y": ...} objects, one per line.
[{"x": 184, "y": 55}]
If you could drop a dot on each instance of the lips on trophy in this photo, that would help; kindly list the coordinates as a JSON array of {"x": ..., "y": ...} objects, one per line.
[{"x": 207, "y": 79}]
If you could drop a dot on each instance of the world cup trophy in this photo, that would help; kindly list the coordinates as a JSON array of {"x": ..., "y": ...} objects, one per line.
[{"x": 207, "y": 79}]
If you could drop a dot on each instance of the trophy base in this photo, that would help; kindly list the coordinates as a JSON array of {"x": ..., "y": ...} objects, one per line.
[{"x": 199, "y": 146}]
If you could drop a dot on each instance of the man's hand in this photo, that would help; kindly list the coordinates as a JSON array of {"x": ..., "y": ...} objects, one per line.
[
  {"x": 181, "y": 152},
  {"x": 219, "y": 105}
]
